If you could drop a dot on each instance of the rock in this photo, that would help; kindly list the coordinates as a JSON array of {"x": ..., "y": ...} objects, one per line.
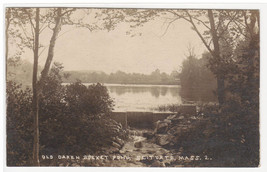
[
  {"x": 148, "y": 135},
  {"x": 177, "y": 119},
  {"x": 172, "y": 143},
  {"x": 171, "y": 117},
  {"x": 158, "y": 164},
  {"x": 155, "y": 164},
  {"x": 181, "y": 117},
  {"x": 119, "y": 141},
  {"x": 167, "y": 164},
  {"x": 167, "y": 121},
  {"x": 161, "y": 127},
  {"x": 115, "y": 129},
  {"x": 138, "y": 144},
  {"x": 150, "y": 151},
  {"x": 193, "y": 117},
  {"x": 132, "y": 132},
  {"x": 163, "y": 139},
  {"x": 155, "y": 124},
  {"x": 175, "y": 130},
  {"x": 75, "y": 165},
  {"x": 116, "y": 145},
  {"x": 101, "y": 164},
  {"x": 122, "y": 151},
  {"x": 139, "y": 133},
  {"x": 96, "y": 165},
  {"x": 113, "y": 150}
]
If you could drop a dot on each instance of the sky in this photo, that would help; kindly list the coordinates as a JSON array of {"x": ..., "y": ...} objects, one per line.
[{"x": 80, "y": 49}]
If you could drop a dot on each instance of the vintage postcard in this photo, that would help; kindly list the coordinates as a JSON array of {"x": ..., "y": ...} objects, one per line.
[{"x": 132, "y": 87}]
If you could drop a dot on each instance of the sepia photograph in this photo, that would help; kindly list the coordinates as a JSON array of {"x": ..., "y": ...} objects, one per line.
[{"x": 132, "y": 87}]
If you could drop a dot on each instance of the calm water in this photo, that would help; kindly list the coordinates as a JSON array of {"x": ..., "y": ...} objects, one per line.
[
  {"x": 143, "y": 97},
  {"x": 131, "y": 97}
]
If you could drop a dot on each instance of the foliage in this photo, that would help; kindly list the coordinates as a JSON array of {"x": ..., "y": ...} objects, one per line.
[
  {"x": 219, "y": 30},
  {"x": 119, "y": 77},
  {"x": 18, "y": 125},
  {"x": 230, "y": 133},
  {"x": 19, "y": 71},
  {"x": 197, "y": 81},
  {"x": 244, "y": 88},
  {"x": 25, "y": 25},
  {"x": 92, "y": 100},
  {"x": 73, "y": 119}
]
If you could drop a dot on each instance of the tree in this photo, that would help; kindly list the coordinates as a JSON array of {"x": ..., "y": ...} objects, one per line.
[
  {"x": 35, "y": 105},
  {"x": 197, "y": 81},
  {"x": 72, "y": 116},
  {"x": 216, "y": 55},
  {"x": 32, "y": 41},
  {"x": 36, "y": 87},
  {"x": 32, "y": 22},
  {"x": 219, "y": 21},
  {"x": 244, "y": 85},
  {"x": 13, "y": 14},
  {"x": 210, "y": 25},
  {"x": 8, "y": 16},
  {"x": 14, "y": 17}
]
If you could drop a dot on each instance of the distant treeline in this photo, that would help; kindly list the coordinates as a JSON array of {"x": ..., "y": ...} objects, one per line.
[
  {"x": 156, "y": 77},
  {"x": 22, "y": 73}
]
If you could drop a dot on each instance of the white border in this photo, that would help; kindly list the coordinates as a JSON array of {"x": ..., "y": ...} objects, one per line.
[{"x": 225, "y": 4}]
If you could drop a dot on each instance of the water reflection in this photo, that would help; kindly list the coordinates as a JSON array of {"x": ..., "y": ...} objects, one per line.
[
  {"x": 155, "y": 91},
  {"x": 164, "y": 91},
  {"x": 143, "y": 97},
  {"x": 148, "y": 97},
  {"x": 200, "y": 94}
]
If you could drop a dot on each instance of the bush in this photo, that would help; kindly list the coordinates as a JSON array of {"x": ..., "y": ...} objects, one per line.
[
  {"x": 19, "y": 120},
  {"x": 73, "y": 119},
  {"x": 93, "y": 100},
  {"x": 229, "y": 134}
]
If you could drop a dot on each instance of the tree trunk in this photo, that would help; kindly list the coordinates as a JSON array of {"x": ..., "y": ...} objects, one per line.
[
  {"x": 35, "y": 93},
  {"x": 37, "y": 87},
  {"x": 253, "y": 54},
  {"x": 6, "y": 32},
  {"x": 216, "y": 55},
  {"x": 52, "y": 44}
]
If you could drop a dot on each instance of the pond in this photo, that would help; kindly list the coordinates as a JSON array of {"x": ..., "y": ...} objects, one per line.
[
  {"x": 130, "y": 97},
  {"x": 147, "y": 98}
]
